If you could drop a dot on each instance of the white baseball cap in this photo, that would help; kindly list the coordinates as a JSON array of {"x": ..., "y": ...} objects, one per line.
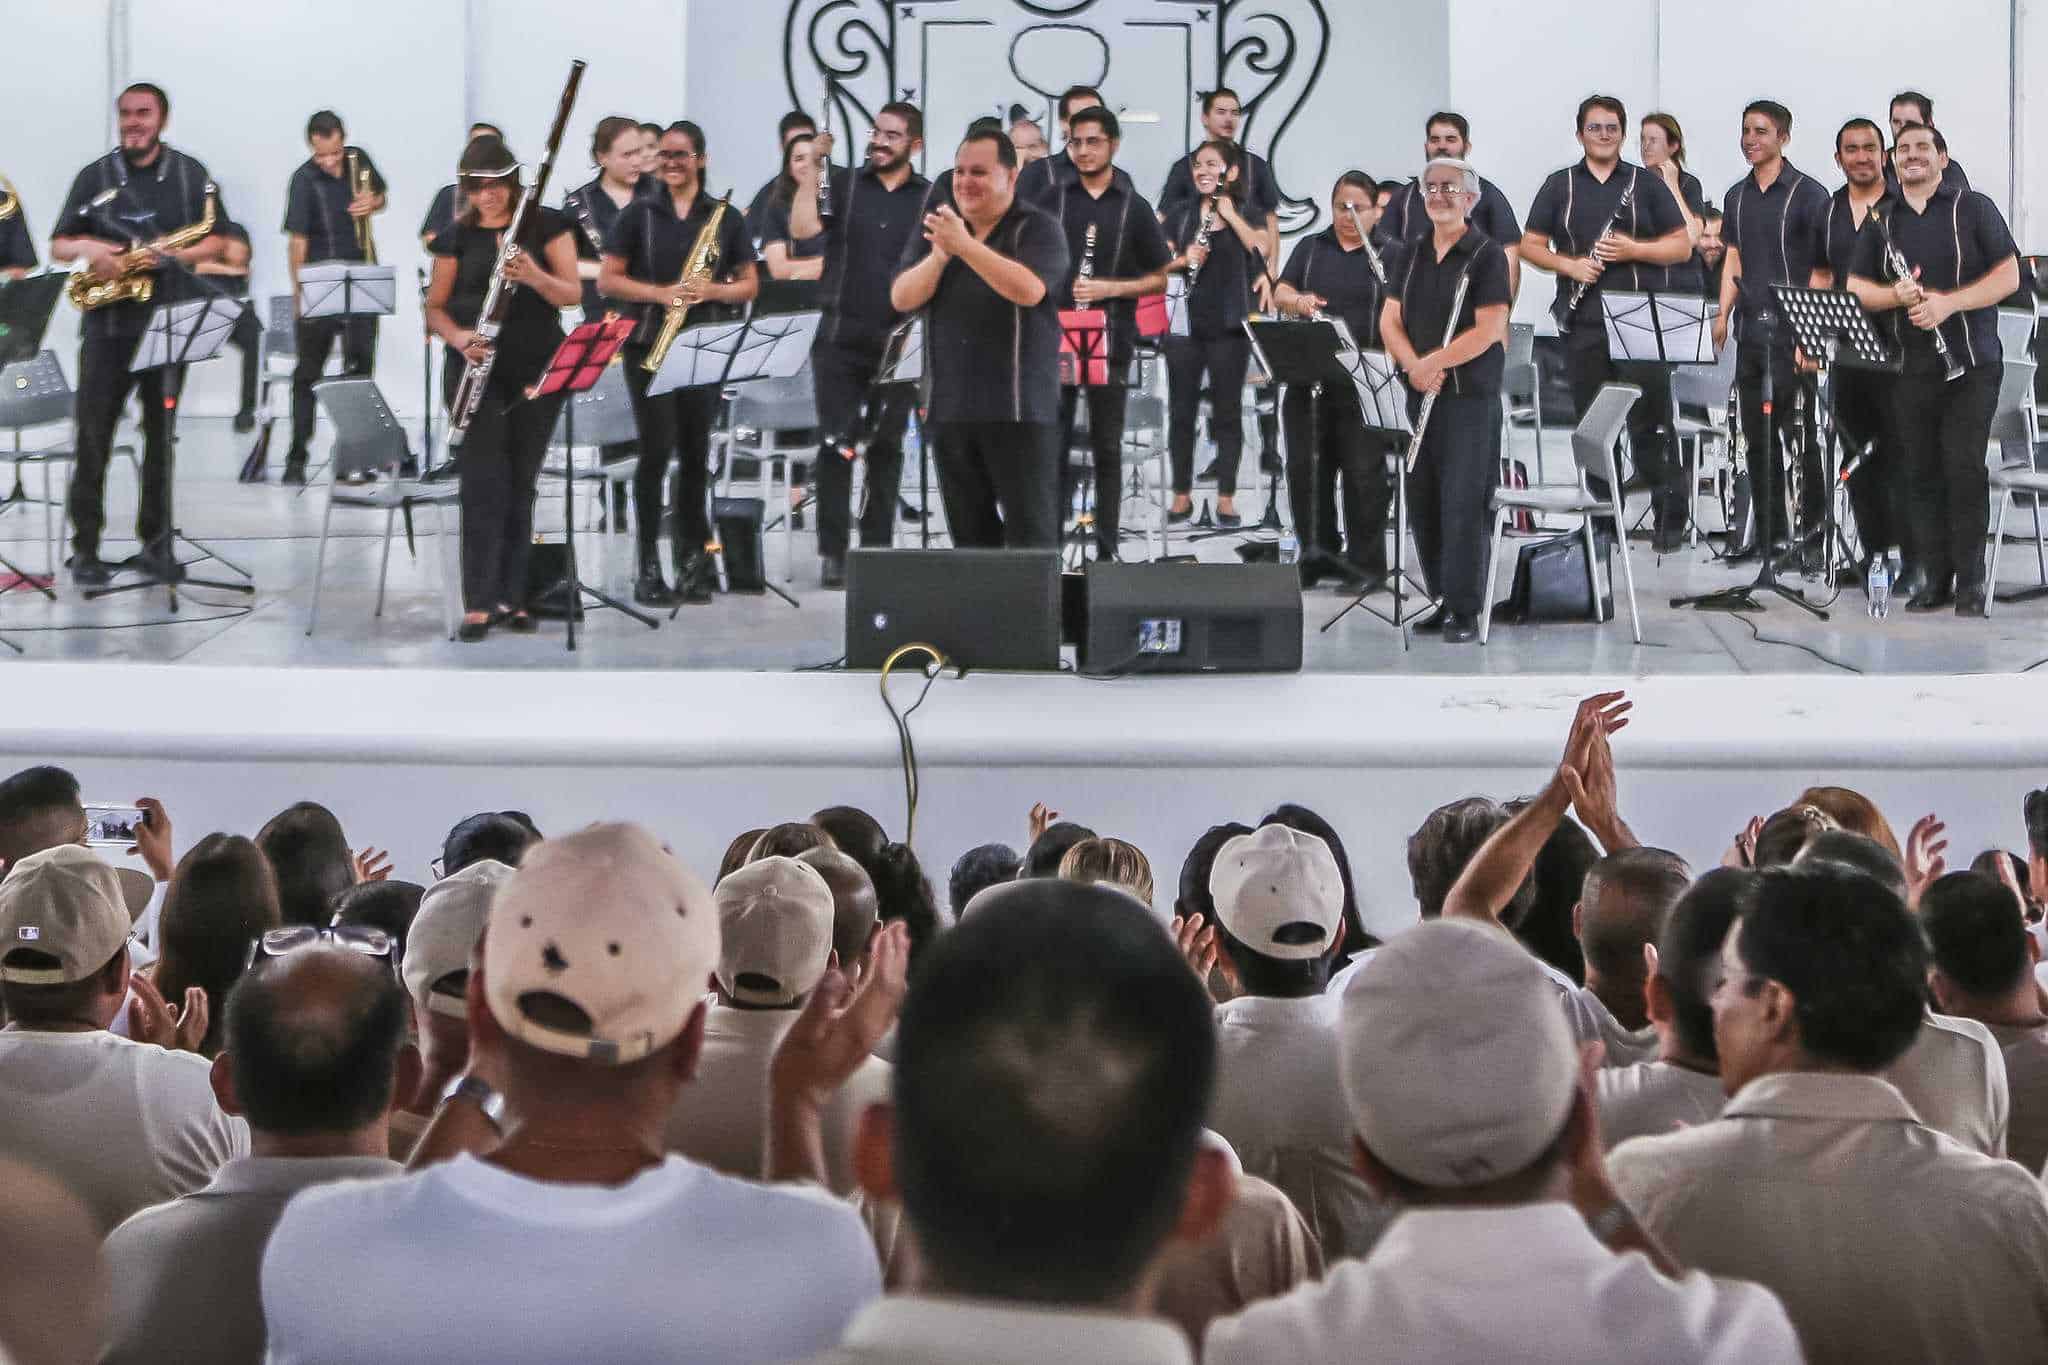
[
  {"x": 68, "y": 904},
  {"x": 775, "y": 919},
  {"x": 600, "y": 946},
  {"x": 1278, "y": 892},
  {"x": 443, "y": 934},
  {"x": 1457, "y": 1063}
]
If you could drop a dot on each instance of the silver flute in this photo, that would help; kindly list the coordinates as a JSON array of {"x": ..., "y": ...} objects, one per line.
[
  {"x": 1372, "y": 255},
  {"x": 1429, "y": 399},
  {"x": 1895, "y": 260}
]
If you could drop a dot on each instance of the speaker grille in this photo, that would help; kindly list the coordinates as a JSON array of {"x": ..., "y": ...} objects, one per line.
[{"x": 1235, "y": 640}]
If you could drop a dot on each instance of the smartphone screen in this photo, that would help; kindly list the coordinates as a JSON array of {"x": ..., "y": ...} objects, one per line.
[{"x": 108, "y": 824}]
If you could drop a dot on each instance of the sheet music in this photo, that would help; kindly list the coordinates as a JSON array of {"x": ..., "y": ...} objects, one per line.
[
  {"x": 903, "y": 356},
  {"x": 186, "y": 333},
  {"x": 1635, "y": 320},
  {"x": 1382, "y": 393},
  {"x": 788, "y": 337},
  {"x": 701, "y": 355}
]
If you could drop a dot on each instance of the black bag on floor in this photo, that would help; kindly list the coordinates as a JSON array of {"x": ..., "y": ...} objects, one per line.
[
  {"x": 548, "y": 591},
  {"x": 1551, "y": 582},
  {"x": 738, "y": 524}
]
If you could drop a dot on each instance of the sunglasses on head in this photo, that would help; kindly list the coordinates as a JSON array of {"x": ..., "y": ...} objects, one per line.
[{"x": 357, "y": 938}]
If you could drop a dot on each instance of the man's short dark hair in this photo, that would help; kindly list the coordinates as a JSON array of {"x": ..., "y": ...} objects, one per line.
[
  {"x": 856, "y": 833},
  {"x": 302, "y": 1070},
  {"x": 1940, "y": 142},
  {"x": 788, "y": 839},
  {"x": 1710, "y": 214},
  {"x": 1439, "y": 850},
  {"x": 1917, "y": 100},
  {"x": 66, "y": 1004},
  {"x": 388, "y": 905},
  {"x": 1101, "y": 118},
  {"x": 912, "y": 116},
  {"x": 1787, "y": 831},
  {"x": 1689, "y": 954},
  {"x": 1976, "y": 934},
  {"x": 1042, "y": 859},
  {"x": 155, "y": 92},
  {"x": 1194, "y": 897},
  {"x": 987, "y": 123},
  {"x": 1209, "y": 97},
  {"x": 1858, "y": 853},
  {"x": 1852, "y": 125},
  {"x": 34, "y": 804},
  {"x": 1457, "y": 121},
  {"x": 1626, "y": 898},
  {"x": 1607, "y": 102},
  {"x": 1850, "y": 953},
  {"x": 796, "y": 120},
  {"x": 1088, "y": 1051},
  {"x": 502, "y": 836},
  {"x": 1277, "y": 978},
  {"x": 326, "y": 123},
  {"x": 1006, "y": 150},
  {"x": 311, "y": 857},
  {"x": 1778, "y": 114},
  {"x": 977, "y": 869}
]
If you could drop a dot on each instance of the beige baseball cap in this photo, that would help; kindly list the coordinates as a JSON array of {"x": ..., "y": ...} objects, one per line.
[
  {"x": 1457, "y": 1063},
  {"x": 600, "y": 945},
  {"x": 443, "y": 934},
  {"x": 68, "y": 904},
  {"x": 775, "y": 916},
  {"x": 1278, "y": 892}
]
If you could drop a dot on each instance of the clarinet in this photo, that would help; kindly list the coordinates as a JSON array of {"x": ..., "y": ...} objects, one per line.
[
  {"x": 1895, "y": 260},
  {"x": 1202, "y": 238},
  {"x": 1087, "y": 271},
  {"x": 1429, "y": 399},
  {"x": 1372, "y": 255},
  {"x": 1578, "y": 295},
  {"x": 586, "y": 222}
]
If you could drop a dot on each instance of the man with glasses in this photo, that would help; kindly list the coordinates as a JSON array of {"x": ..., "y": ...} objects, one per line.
[
  {"x": 1581, "y": 230},
  {"x": 1449, "y": 134}
]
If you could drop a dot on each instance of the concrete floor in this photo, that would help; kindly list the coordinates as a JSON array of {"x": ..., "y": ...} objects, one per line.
[{"x": 272, "y": 532}]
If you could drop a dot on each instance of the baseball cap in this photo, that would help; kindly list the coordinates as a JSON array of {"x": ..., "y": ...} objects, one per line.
[
  {"x": 775, "y": 917},
  {"x": 1278, "y": 892},
  {"x": 450, "y": 920},
  {"x": 68, "y": 904},
  {"x": 1456, "y": 1061},
  {"x": 599, "y": 946}
]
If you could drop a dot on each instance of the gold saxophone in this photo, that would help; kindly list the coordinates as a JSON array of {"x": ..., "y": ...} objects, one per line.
[
  {"x": 133, "y": 284},
  {"x": 703, "y": 259},
  {"x": 359, "y": 183},
  {"x": 10, "y": 199}
]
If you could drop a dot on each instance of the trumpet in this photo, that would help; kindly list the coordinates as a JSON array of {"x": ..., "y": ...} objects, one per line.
[
  {"x": 134, "y": 284},
  {"x": 360, "y": 183},
  {"x": 10, "y": 199},
  {"x": 702, "y": 261}
]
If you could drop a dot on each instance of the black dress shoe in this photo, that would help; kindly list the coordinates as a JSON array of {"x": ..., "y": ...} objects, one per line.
[
  {"x": 90, "y": 571},
  {"x": 907, "y": 512},
  {"x": 796, "y": 518},
  {"x": 164, "y": 566},
  {"x": 1229, "y": 520},
  {"x": 832, "y": 572},
  {"x": 696, "y": 578},
  {"x": 1970, "y": 599},
  {"x": 295, "y": 473},
  {"x": 1182, "y": 517},
  {"x": 1460, "y": 629},
  {"x": 521, "y": 623},
  {"x": 1911, "y": 583},
  {"x": 1933, "y": 597},
  {"x": 1668, "y": 540},
  {"x": 1270, "y": 462},
  {"x": 245, "y": 420},
  {"x": 469, "y": 632},
  {"x": 649, "y": 588},
  {"x": 1435, "y": 620}
]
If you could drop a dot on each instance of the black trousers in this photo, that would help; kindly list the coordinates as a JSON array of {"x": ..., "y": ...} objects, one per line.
[
  {"x": 1449, "y": 492},
  {"x": 104, "y": 383},
  {"x": 1106, "y": 443},
  {"x": 500, "y": 461},
  {"x": 1750, "y": 361},
  {"x": 1652, "y": 439},
  {"x": 1224, "y": 359},
  {"x": 850, "y": 408},
  {"x": 1342, "y": 445},
  {"x": 1877, "y": 490},
  {"x": 1943, "y": 429},
  {"x": 675, "y": 427},
  {"x": 247, "y": 337},
  {"x": 316, "y": 338},
  {"x": 999, "y": 482}
]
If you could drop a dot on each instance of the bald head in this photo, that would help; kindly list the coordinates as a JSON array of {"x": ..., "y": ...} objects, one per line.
[
  {"x": 1625, "y": 901},
  {"x": 313, "y": 1039},
  {"x": 855, "y": 910}
]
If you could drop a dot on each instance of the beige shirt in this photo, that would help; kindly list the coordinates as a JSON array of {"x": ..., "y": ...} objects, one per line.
[
  {"x": 1651, "y": 1098},
  {"x": 933, "y": 1331},
  {"x": 721, "y": 1118},
  {"x": 2026, "y": 1082},
  {"x": 1593, "y": 1022},
  {"x": 1886, "y": 1239},
  {"x": 1527, "y": 1284},
  {"x": 1262, "y": 1248},
  {"x": 1954, "y": 1077},
  {"x": 124, "y": 1124}
]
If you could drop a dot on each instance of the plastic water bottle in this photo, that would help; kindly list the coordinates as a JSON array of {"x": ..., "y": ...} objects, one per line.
[
  {"x": 1290, "y": 548},
  {"x": 1880, "y": 587}
]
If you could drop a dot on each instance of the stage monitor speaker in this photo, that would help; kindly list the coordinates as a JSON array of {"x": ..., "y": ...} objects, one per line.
[
  {"x": 737, "y": 522},
  {"x": 1193, "y": 618},
  {"x": 984, "y": 609}
]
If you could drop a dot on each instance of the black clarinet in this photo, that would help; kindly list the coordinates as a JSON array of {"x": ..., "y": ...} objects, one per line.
[
  {"x": 1895, "y": 260},
  {"x": 1563, "y": 309}
]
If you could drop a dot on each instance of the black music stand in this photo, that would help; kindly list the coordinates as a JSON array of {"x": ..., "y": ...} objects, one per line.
[
  {"x": 1744, "y": 598},
  {"x": 1084, "y": 365},
  {"x": 574, "y": 369},
  {"x": 1650, "y": 327},
  {"x": 903, "y": 363},
  {"x": 1306, "y": 353},
  {"x": 180, "y": 334},
  {"x": 1383, "y": 403},
  {"x": 333, "y": 289}
]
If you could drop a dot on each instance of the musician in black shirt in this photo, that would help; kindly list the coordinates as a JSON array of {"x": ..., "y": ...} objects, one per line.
[
  {"x": 1335, "y": 273},
  {"x": 792, "y": 125},
  {"x": 1961, "y": 264},
  {"x": 644, "y": 261},
  {"x": 784, "y": 254},
  {"x": 1910, "y": 106},
  {"x": 594, "y": 206},
  {"x": 1663, "y": 143},
  {"x": 138, "y": 193},
  {"x": 1448, "y": 134},
  {"x": 1222, "y": 112},
  {"x": 448, "y": 201},
  {"x": 1040, "y": 181},
  {"x": 324, "y": 213},
  {"x": 1118, "y": 255},
  {"x": 507, "y": 438},
  {"x": 17, "y": 248},
  {"x": 877, "y": 209}
]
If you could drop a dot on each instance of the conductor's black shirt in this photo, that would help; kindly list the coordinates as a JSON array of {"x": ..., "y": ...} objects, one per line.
[{"x": 989, "y": 359}]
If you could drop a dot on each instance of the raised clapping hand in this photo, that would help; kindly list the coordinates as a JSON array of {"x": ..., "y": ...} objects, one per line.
[
  {"x": 372, "y": 864},
  {"x": 1924, "y": 861},
  {"x": 1588, "y": 770},
  {"x": 1742, "y": 852},
  {"x": 841, "y": 1023},
  {"x": 1042, "y": 816},
  {"x": 947, "y": 231},
  {"x": 151, "y": 1020}
]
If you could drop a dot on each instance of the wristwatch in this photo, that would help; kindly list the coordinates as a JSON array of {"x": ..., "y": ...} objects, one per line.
[{"x": 479, "y": 1092}]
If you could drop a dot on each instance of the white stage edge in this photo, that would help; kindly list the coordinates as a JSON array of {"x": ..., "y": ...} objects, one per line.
[{"x": 700, "y": 756}]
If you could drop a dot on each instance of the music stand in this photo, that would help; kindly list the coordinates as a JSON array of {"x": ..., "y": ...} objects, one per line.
[
  {"x": 1307, "y": 354},
  {"x": 903, "y": 363},
  {"x": 1383, "y": 404},
  {"x": 1084, "y": 365},
  {"x": 1652, "y": 328},
  {"x": 180, "y": 334},
  {"x": 345, "y": 290},
  {"x": 576, "y": 366}
]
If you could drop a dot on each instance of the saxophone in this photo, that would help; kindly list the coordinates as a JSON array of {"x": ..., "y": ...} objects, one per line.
[
  {"x": 10, "y": 199},
  {"x": 133, "y": 284},
  {"x": 702, "y": 261},
  {"x": 359, "y": 183}
]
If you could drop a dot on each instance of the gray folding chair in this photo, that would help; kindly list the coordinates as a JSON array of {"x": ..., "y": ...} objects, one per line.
[
  {"x": 1145, "y": 442},
  {"x": 1593, "y": 450},
  {"x": 34, "y": 393},
  {"x": 1706, "y": 445},
  {"x": 773, "y": 421},
  {"x": 2015, "y": 435},
  {"x": 2016, "y": 331},
  {"x": 602, "y": 416},
  {"x": 1521, "y": 390},
  {"x": 367, "y": 438}
]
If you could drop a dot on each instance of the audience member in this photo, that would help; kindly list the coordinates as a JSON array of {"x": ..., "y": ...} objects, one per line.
[
  {"x": 854, "y": 908},
  {"x": 737, "y": 852},
  {"x": 501, "y": 836},
  {"x": 311, "y": 857},
  {"x": 775, "y": 924},
  {"x": 41, "y": 808},
  {"x": 976, "y": 870},
  {"x": 1040, "y": 1207},
  {"x": 1557, "y": 880},
  {"x": 1851, "y": 810},
  {"x": 586, "y": 1015},
  {"x": 1194, "y": 912},
  {"x": 315, "y": 1041},
  {"x": 222, "y": 898},
  {"x": 903, "y": 895},
  {"x": 1858, "y": 853},
  {"x": 122, "y": 1121},
  {"x": 1788, "y": 831},
  {"x": 854, "y": 832},
  {"x": 1042, "y": 859},
  {"x": 435, "y": 970},
  {"x": 389, "y": 906},
  {"x": 53, "y": 1292},
  {"x": 1260, "y": 1249},
  {"x": 788, "y": 839},
  {"x": 1681, "y": 1086},
  {"x": 1110, "y": 861},
  {"x": 1886, "y": 1239},
  {"x": 1445, "y": 842},
  {"x": 1984, "y": 962},
  {"x": 2034, "y": 811},
  {"x": 1356, "y": 939},
  {"x": 1469, "y": 1107}
]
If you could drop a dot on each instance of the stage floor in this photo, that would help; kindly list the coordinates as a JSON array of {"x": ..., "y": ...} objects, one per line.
[{"x": 272, "y": 531}]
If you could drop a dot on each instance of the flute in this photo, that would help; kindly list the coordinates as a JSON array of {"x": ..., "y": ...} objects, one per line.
[
  {"x": 1372, "y": 255},
  {"x": 1429, "y": 399}
]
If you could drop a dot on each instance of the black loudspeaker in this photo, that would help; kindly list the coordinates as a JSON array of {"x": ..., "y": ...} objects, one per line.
[
  {"x": 1552, "y": 583},
  {"x": 983, "y": 609},
  {"x": 737, "y": 523},
  {"x": 1193, "y": 618}
]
